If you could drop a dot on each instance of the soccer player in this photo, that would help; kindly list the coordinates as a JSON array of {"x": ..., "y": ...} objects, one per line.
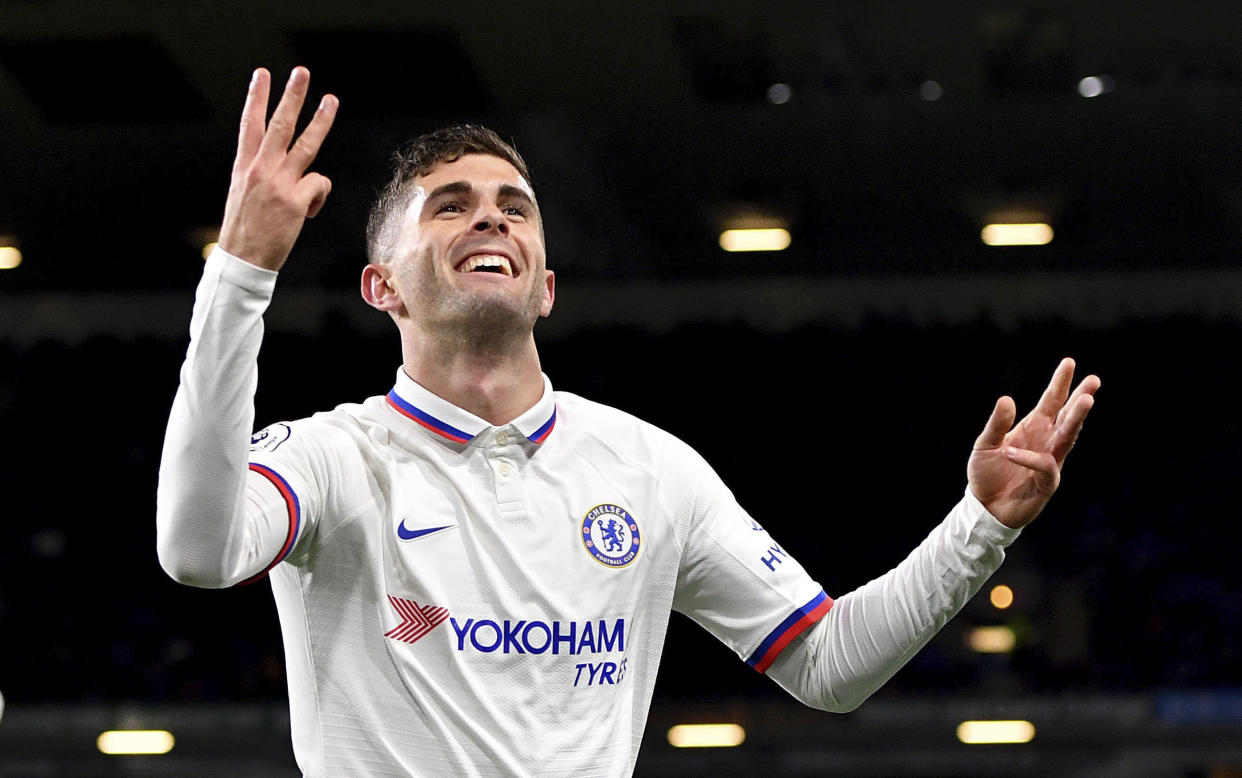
[{"x": 474, "y": 573}]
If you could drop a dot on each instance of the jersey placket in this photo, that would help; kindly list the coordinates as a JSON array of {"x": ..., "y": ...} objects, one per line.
[{"x": 505, "y": 457}]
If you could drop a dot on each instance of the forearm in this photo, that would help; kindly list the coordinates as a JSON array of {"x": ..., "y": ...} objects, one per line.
[
  {"x": 201, "y": 500},
  {"x": 873, "y": 631}
]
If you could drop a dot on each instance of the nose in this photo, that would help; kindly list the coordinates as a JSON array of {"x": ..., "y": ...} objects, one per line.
[{"x": 491, "y": 221}]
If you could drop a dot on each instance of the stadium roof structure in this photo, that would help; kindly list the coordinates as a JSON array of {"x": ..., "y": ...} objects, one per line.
[{"x": 884, "y": 136}]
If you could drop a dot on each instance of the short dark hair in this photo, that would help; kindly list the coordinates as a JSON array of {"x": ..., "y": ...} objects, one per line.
[{"x": 419, "y": 157}]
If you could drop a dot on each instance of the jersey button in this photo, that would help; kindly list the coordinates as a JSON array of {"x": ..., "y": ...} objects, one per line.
[
  {"x": 502, "y": 438},
  {"x": 505, "y": 469}
]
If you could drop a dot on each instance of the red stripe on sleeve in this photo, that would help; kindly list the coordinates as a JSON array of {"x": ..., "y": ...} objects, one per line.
[
  {"x": 295, "y": 516},
  {"x": 795, "y": 629}
]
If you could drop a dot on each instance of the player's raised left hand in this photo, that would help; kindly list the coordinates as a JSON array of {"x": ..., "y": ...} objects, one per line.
[{"x": 1013, "y": 470}]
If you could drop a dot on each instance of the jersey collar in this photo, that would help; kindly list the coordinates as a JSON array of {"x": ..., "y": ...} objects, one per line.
[{"x": 440, "y": 416}]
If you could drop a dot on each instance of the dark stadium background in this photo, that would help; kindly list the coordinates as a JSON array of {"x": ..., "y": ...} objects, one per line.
[{"x": 837, "y": 386}]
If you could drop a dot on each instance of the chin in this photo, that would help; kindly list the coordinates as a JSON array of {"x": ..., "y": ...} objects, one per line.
[{"x": 497, "y": 314}]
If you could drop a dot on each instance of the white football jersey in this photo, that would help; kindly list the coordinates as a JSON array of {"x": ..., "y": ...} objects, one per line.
[
  {"x": 458, "y": 598},
  {"x": 455, "y": 594}
]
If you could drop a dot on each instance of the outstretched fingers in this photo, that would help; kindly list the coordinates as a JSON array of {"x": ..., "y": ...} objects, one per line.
[
  {"x": 1070, "y": 424},
  {"x": 253, "y": 119},
  {"x": 285, "y": 118},
  {"x": 1088, "y": 386},
  {"x": 306, "y": 147},
  {"x": 998, "y": 425},
  {"x": 272, "y": 193},
  {"x": 1053, "y": 398}
]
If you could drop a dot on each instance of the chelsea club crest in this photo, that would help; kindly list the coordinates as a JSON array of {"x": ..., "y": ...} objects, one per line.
[{"x": 610, "y": 534}]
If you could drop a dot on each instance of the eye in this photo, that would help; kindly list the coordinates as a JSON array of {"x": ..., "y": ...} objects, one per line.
[
  {"x": 449, "y": 207},
  {"x": 515, "y": 210}
]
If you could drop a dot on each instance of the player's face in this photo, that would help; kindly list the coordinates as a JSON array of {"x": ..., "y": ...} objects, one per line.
[{"x": 471, "y": 249}]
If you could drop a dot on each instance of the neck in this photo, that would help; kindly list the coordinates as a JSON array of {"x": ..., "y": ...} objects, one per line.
[{"x": 495, "y": 381}]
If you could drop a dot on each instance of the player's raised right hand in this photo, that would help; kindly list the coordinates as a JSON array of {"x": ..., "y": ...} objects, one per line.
[{"x": 271, "y": 194}]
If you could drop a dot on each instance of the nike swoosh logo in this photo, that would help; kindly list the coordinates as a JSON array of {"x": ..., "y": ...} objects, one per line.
[{"x": 411, "y": 534}]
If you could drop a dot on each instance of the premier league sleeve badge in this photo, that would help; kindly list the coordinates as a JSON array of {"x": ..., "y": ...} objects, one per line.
[{"x": 269, "y": 438}]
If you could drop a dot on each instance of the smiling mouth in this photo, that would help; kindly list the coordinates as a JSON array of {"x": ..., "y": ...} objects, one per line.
[{"x": 487, "y": 263}]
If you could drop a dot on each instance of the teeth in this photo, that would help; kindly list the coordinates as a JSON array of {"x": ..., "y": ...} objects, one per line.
[{"x": 486, "y": 260}]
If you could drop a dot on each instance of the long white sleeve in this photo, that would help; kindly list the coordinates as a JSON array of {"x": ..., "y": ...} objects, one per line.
[
  {"x": 208, "y": 535},
  {"x": 873, "y": 631}
]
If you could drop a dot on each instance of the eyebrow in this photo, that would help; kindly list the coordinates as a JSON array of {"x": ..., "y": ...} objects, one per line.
[
  {"x": 465, "y": 187},
  {"x": 509, "y": 190},
  {"x": 456, "y": 187}
]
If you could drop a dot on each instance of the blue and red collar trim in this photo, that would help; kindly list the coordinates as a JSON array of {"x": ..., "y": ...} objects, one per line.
[
  {"x": 467, "y": 426},
  {"x": 541, "y": 434},
  {"x": 418, "y": 416}
]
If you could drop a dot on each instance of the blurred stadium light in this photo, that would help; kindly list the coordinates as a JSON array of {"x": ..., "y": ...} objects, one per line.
[{"x": 1174, "y": 733}]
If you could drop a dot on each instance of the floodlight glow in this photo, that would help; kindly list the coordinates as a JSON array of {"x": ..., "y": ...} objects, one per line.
[
  {"x": 706, "y": 735},
  {"x": 127, "y": 742},
  {"x": 931, "y": 91},
  {"x": 1034, "y": 234},
  {"x": 208, "y": 248},
  {"x": 779, "y": 94},
  {"x": 10, "y": 257},
  {"x": 1001, "y": 597},
  {"x": 1091, "y": 86},
  {"x": 1094, "y": 86},
  {"x": 981, "y": 732},
  {"x": 991, "y": 640},
  {"x": 773, "y": 239}
]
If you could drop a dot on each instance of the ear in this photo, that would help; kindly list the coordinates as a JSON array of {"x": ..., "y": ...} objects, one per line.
[
  {"x": 377, "y": 290},
  {"x": 549, "y": 294}
]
